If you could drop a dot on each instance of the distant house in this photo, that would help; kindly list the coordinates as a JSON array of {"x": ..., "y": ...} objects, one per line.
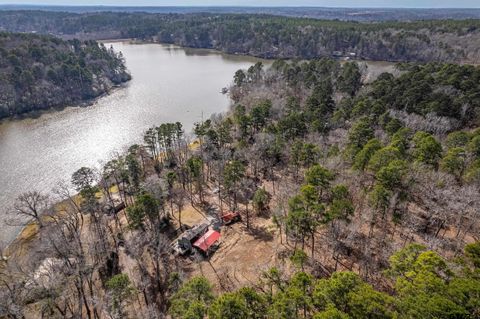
[
  {"x": 207, "y": 241},
  {"x": 337, "y": 53}
]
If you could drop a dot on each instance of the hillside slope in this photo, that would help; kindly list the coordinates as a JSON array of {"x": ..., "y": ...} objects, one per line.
[
  {"x": 39, "y": 72},
  {"x": 357, "y": 200}
]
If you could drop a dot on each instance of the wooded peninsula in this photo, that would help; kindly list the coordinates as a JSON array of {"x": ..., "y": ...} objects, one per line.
[{"x": 39, "y": 72}]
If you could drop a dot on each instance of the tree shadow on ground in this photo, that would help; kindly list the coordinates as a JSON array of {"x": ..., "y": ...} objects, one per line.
[{"x": 261, "y": 233}]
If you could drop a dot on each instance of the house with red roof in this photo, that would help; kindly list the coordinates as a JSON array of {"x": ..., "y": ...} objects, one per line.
[{"x": 207, "y": 242}]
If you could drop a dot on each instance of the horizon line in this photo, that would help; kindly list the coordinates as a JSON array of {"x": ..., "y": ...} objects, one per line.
[{"x": 221, "y": 6}]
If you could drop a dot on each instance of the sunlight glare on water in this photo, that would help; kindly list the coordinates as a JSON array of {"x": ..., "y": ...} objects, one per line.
[{"x": 169, "y": 84}]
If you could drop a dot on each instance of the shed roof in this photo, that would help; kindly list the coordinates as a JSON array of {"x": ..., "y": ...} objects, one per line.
[
  {"x": 207, "y": 240},
  {"x": 229, "y": 216}
]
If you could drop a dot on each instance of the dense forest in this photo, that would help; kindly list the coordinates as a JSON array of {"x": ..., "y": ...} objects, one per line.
[
  {"x": 425, "y": 285},
  {"x": 267, "y": 36},
  {"x": 39, "y": 72},
  {"x": 328, "y": 13},
  {"x": 357, "y": 200}
]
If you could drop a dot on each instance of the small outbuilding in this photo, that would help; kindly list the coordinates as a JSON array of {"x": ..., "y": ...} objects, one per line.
[
  {"x": 230, "y": 217},
  {"x": 207, "y": 242},
  {"x": 183, "y": 243}
]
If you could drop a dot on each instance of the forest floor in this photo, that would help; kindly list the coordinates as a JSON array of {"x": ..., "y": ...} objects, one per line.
[{"x": 243, "y": 255}]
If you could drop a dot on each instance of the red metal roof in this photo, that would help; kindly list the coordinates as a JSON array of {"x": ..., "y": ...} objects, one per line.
[
  {"x": 207, "y": 240},
  {"x": 229, "y": 216}
]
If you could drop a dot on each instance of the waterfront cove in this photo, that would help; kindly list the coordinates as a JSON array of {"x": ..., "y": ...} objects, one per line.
[{"x": 169, "y": 84}]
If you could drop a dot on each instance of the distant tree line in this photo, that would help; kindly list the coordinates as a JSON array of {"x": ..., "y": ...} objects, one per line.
[{"x": 267, "y": 36}]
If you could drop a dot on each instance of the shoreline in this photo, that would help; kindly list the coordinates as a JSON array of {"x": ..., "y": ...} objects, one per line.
[
  {"x": 17, "y": 233},
  {"x": 343, "y": 59},
  {"x": 135, "y": 41},
  {"x": 37, "y": 114},
  {"x": 26, "y": 234},
  {"x": 12, "y": 233},
  {"x": 84, "y": 103}
]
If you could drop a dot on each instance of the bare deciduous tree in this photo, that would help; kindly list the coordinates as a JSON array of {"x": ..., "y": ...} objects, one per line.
[{"x": 29, "y": 206}]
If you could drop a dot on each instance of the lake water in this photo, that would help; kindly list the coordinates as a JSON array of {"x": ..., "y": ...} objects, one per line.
[{"x": 169, "y": 84}]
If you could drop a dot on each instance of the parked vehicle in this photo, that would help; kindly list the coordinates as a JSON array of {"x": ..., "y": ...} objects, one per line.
[{"x": 231, "y": 217}]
